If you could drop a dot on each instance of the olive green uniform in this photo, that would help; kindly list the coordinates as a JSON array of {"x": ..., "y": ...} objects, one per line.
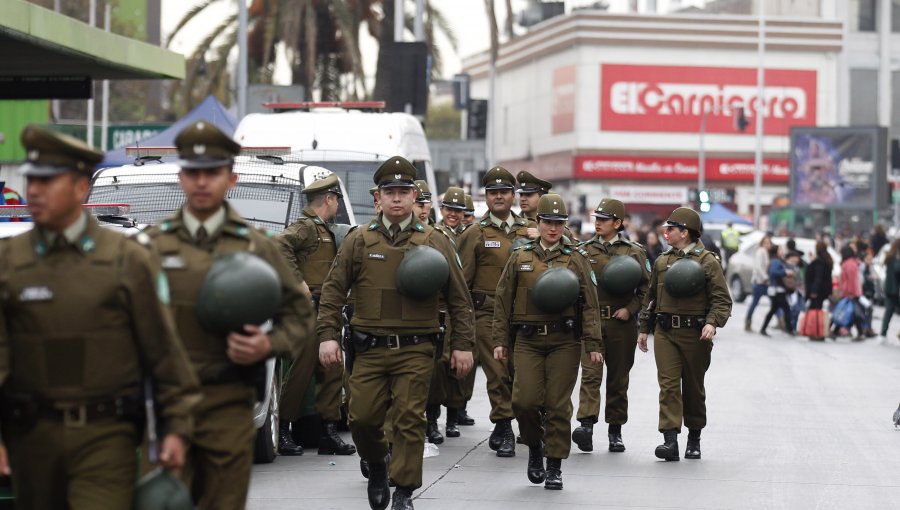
[
  {"x": 310, "y": 249},
  {"x": 393, "y": 338},
  {"x": 80, "y": 322},
  {"x": 484, "y": 249},
  {"x": 681, "y": 357},
  {"x": 219, "y": 462},
  {"x": 546, "y": 361},
  {"x": 619, "y": 337}
]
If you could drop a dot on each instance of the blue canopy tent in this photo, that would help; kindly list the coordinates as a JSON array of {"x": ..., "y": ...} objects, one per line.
[
  {"x": 210, "y": 110},
  {"x": 718, "y": 213}
]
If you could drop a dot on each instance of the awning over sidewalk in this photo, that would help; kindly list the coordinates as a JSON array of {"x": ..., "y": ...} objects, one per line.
[{"x": 35, "y": 41}]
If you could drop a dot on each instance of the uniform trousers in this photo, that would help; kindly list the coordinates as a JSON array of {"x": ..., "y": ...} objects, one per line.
[
  {"x": 398, "y": 379},
  {"x": 681, "y": 363},
  {"x": 546, "y": 372},
  {"x": 498, "y": 373},
  {"x": 92, "y": 467},
  {"x": 620, "y": 340}
]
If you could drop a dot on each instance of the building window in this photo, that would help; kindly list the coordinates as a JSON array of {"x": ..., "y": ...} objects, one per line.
[
  {"x": 863, "y": 15},
  {"x": 863, "y": 97},
  {"x": 895, "y": 15}
]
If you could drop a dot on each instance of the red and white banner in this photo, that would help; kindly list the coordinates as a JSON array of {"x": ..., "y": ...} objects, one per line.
[
  {"x": 650, "y": 194},
  {"x": 674, "y": 98},
  {"x": 681, "y": 169},
  {"x": 563, "y": 120}
]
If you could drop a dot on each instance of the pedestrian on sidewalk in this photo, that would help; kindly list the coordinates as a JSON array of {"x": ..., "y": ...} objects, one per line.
[
  {"x": 891, "y": 285},
  {"x": 782, "y": 279},
  {"x": 850, "y": 287},
  {"x": 818, "y": 281},
  {"x": 759, "y": 278}
]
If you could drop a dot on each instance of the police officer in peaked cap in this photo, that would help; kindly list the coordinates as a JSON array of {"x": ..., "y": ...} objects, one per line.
[
  {"x": 393, "y": 331},
  {"x": 687, "y": 300},
  {"x": 228, "y": 362},
  {"x": 547, "y": 302},
  {"x": 83, "y": 320},
  {"x": 530, "y": 190}
]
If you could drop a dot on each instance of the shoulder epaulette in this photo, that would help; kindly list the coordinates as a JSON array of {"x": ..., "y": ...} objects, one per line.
[
  {"x": 141, "y": 238},
  {"x": 584, "y": 253}
]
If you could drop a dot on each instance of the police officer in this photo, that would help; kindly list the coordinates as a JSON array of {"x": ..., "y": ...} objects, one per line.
[
  {"x": 393, "y": 331},
  {"x": 530, "y": 190},
  {"x": 688, "y": 299},
  {"x": 218, "y": 467},
  {"x": 82, "y": 317},
  {"x": 375, "y": 203},
  {"x": 731, "y": 240},
  {"x": 453, "y": 208},
  {"x": 309, "y": 246},
  {"x": 484, "y": 249},
  {"x": 423, "y": 206},
  {"x": 548, "y": 340},
  {"x": 620, "y": 294},
  {"x": 469, "y": 217}
]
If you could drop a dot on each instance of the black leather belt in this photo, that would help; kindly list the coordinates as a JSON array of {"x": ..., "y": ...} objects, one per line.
[
  {"x": 566, "y": 326},
  {"x": 671, "y": 321},
  {"x": 398, "y": 341},
  {"x": 79, "y": 415}
]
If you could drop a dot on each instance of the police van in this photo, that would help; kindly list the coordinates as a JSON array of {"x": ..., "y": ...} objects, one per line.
[{"x": 349, "y": 138}]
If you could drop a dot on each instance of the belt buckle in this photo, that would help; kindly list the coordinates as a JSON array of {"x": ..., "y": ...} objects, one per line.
[
  {"x": 541, "y": 330},
  {"x": 393, "y": 342},
  {"x": 676, "y": 321},
  {"x": 605, "y": 312},
  {"x": 74, "y": 416}
]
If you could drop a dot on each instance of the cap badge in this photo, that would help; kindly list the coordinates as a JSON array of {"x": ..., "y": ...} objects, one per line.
[
  {"x": 556, "y": 211},
  {"x": 200, "y": 149},
  {"x": 200, "y": 126},
  {"x": 455, "y": 200},
  {"x": 397, "y": 176},
  {"x": 33, "y": 154},
  {"x": 499, "y": 180}
]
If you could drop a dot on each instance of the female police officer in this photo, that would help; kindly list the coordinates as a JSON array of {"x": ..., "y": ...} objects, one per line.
[
  {"x": 689, "y": 299},
  {"x": 546, "y": 298}
]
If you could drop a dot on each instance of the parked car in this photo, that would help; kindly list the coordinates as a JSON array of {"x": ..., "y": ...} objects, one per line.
[
  {"x": 740, "y": 267},
  {"x": 267, "y": 194}
]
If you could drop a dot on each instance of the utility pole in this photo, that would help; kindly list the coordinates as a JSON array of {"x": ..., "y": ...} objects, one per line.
[
  {"x": 104, "y": 107},
  {"x": 92, "y": 21},
  {"x": 760, "y": 115},
  {"x": 242, "y": 59},
  {"x": 399, "y": 20}
]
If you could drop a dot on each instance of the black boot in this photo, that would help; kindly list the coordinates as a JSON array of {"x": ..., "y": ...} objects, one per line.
[
  {"x": 432, "y": 432},
  {"x": 497, "y": 435},
  {"x": 583, "y": 435},
  {"x": 451, "y": 429},
  {"x": 364, "y": 468},
  {"x": 331, "y": 443},
  {"x": 402, "y": 499},
  {"x": 554, "y": 474},
  {"x": 286, "y": 444},
  {"x": 508, "y": 442},
  {"x": 692, "y": 451},
  {"x": 615, "y": 438},
  {"x": 536, "y": 472},
  {"x": 378, "y": 490},
  {"x": 463, "y": 418},
  {"x": 669, "y": 449}
]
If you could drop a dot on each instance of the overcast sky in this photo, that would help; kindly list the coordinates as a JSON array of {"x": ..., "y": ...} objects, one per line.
[{"x": 467, "y": 17}]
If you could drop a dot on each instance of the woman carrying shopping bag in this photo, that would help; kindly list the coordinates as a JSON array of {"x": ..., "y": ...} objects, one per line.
[
  {"x": 817, "y": 282},
  {"x": 850, "y": 288},
  {"x": 779, "y": 275}
]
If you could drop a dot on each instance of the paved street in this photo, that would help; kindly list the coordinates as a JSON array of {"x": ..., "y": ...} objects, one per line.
[{"x": 792, "y": 424}]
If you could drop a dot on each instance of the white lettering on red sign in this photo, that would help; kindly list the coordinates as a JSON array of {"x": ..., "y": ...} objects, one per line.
[
  {"x": 676, "y": 99},
  {"x": 677, "y": 169}
]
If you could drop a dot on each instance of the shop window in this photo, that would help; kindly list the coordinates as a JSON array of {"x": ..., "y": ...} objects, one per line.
[
  {"x": 863, "y": 15},
  {"x": 863, "y": 97}
]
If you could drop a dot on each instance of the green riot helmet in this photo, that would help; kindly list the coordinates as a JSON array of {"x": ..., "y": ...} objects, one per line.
[
  {"x": 555, "y": 290},
  {"x": 522, "y": 241},
  {"x": 159, "y": 490},
  {"x": 422, "y": 273},
  {"x": 685, "y": 278},
  {"x": 340, "y": 231},
  {"x": 621, "y": 275},
  {"x": 240, "y": 288}
]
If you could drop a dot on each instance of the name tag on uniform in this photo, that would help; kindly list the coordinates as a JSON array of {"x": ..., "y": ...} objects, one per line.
[
  {"x": 376, "y": 256},
  {"x": 37, "y": 293},
  {"x": 173, "y": 262},
  {"x": 526, "y": 267},
  {"x": 492, "y": 244}
]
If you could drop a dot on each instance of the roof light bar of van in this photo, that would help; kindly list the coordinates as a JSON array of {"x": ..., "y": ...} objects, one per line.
[
  {"x": 309, "y": 105},
  {"x": 21, "y": 211},
  {"x": 165, "y": 152}
]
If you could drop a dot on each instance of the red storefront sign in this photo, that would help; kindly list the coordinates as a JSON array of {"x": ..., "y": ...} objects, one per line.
[
  {"x": 673, "y": 98},
  {"x": 682, "y": 169}
]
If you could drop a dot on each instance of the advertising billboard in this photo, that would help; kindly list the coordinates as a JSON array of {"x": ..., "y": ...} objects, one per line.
[
  {"x": 677, "y": 168},
  {"x": 840, "y": 167},
  {"x": 673, "y": 99}
]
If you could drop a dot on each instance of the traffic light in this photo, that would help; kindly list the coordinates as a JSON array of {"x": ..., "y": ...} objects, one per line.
[
  {"x": 740, "y": 120},
  {"x": 703, "y": 199}
]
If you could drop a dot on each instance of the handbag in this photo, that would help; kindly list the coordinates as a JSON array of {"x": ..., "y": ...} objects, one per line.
[{"x": 843, "y": 313}]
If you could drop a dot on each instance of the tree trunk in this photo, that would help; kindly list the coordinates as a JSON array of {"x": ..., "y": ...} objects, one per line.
[{"x": 385, "y": 53}]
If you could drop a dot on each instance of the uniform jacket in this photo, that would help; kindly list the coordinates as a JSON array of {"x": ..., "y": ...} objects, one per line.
[
  {"x": 186, "y": 266},
  {"x": 309, "y": 246},
  {"x": 79, "y": 322},
  {"x": 714, "y": 302},
  {"x": 365, "y": 264},
  {"x": 484, "y": 250},
  {"x": 600, "y": 255},
  {"x": 512, "y": 302}
]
